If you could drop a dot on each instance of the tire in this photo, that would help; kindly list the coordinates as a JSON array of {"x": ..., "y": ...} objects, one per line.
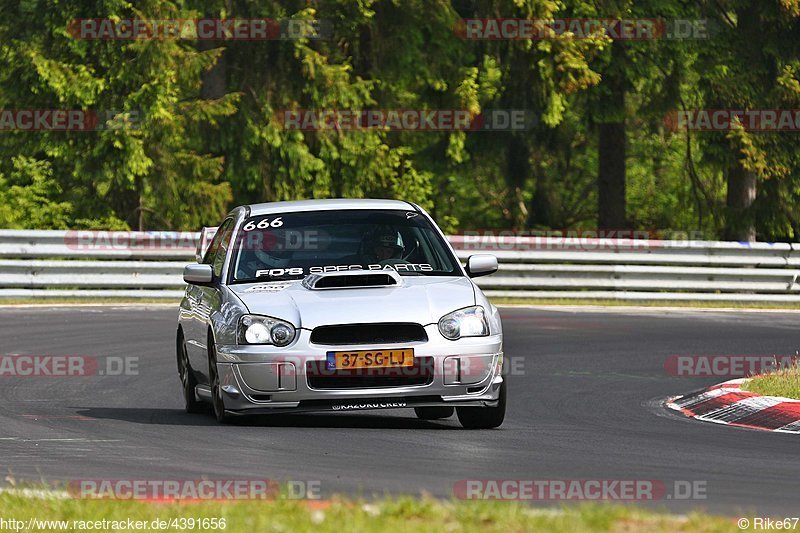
[
  {"x": 484, "y": 417},
  {"x": 217, "y": 401},
  {"x": 433, "y": 413},
  {"x": 188, "y": 381}
]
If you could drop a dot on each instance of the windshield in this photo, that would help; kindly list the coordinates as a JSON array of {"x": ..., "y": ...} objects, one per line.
[{"x": 293, "y": 245}]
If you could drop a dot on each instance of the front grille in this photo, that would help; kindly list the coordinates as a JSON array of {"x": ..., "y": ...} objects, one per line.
[
  {"x": 319, "y": 377},
  {"x": 389, "y": 332}
]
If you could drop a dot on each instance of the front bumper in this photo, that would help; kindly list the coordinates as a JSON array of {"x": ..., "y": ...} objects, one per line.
[{"x": 266, "y": 379}]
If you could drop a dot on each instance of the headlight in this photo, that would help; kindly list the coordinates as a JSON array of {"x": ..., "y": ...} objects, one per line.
[
  {"x": 254, "y": 329},
  {"x": 467, "y": 322}
]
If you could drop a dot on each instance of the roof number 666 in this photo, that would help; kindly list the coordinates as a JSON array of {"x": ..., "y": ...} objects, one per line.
[{"x": 264, "y": 223}]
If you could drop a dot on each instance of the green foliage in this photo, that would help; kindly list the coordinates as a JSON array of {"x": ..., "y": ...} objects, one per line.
[
  {"x": 29, "y": 197},
  {"x": 175, "y": 153},
  {"x": 389, "y": 514}
]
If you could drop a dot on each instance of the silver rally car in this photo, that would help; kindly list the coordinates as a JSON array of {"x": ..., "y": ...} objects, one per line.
[{"x": 338, "y": 306}]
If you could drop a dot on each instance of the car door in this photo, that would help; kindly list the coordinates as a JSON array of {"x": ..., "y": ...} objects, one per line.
[{"x": 206, "y": 299}]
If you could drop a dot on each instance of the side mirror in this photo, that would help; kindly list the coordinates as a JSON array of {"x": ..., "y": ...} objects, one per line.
[
  {"x": 198, "y": 274},
  {"x": 481, "y": 265}
]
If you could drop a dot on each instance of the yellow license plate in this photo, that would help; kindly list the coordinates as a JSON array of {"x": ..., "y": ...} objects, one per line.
[{"x": 396, "y": 357}]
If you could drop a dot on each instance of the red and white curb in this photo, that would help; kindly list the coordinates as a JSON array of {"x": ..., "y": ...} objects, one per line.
[{"x": 728, "y": 404}]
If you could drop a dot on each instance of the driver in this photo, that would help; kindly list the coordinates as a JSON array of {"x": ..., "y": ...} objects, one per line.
[
  {"x": 256, "y": 260},
  {"x": 384, "y": 246}
]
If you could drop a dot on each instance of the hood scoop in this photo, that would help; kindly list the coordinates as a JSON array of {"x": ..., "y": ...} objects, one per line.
[{"x": 358, "y": 279}]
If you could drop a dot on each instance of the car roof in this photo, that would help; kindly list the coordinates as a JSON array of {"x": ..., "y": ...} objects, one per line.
[{"x": 328, "y": 205}]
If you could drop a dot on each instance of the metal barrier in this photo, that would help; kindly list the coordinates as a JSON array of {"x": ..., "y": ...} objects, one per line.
[{"x": 84, "y": 264}]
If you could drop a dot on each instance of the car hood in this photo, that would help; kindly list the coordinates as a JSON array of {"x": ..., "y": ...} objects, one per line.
[{"x": 420, "y": 299}]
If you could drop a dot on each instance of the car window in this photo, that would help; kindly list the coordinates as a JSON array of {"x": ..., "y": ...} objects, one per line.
[
  {"x": 215, "y": 255},
  {"x": 293, "y": 245},
  {"x": 211, "y": 251},
  {"x": 218, "y": 259}
]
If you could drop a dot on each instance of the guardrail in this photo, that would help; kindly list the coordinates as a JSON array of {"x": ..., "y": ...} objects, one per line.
[{"x": 82, "y": 264}]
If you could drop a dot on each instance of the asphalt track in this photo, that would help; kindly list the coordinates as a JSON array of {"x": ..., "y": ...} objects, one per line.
[{"x": 584, "y": 403}]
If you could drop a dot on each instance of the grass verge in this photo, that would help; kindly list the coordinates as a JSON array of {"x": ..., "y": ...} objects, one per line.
[
  {"x": 646, "y": 303},
  {"x": 336, "y": 515},
  {"x": 784, "y": 382}
]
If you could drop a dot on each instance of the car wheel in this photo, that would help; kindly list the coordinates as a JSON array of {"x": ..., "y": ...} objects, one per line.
[
  {"x": 217, "y": 400},
  {"x": 484, "y": 417},
  {"x": 433, "y": 413},
  {"x": 188, "y": 380}
]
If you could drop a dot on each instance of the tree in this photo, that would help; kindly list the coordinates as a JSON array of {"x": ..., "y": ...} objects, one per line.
[
  {"x": 143, "y": 166},
  {"x": 752, "y": 64}
]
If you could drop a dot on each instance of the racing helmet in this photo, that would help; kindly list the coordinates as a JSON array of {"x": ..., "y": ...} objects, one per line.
[
  {"x": 272, "y": 260},
  {"x": 385, "y": 238}
]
